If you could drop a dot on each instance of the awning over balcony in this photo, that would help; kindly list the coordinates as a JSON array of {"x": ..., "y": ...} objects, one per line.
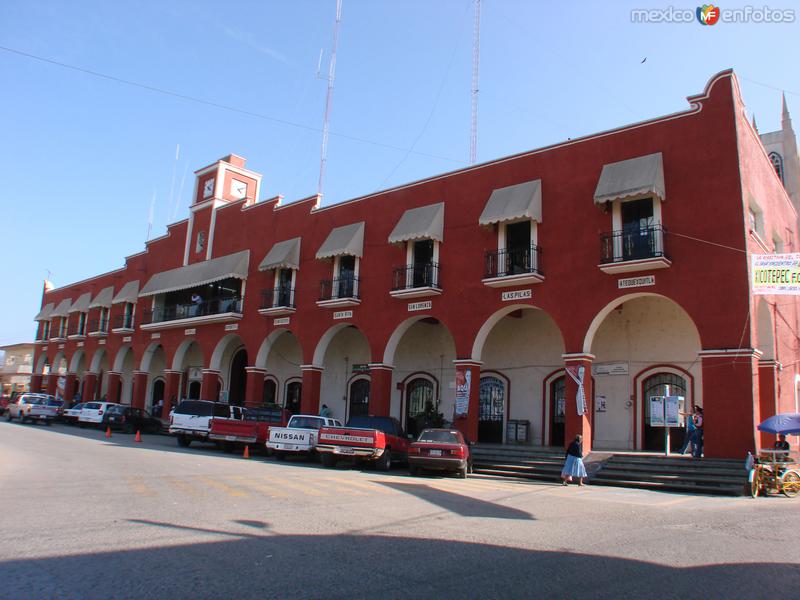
[
  {"x": 62, "y": 310},
  {"x": 514, "y": 202},
  {"x": 103, "y": 299},
  {"x": 423, "y": 223},
  {"x": 348, "y": 239},
  {"x": 284, "y": 254},
  {"x": 82, "y": 303},
  {"x": 182, "y": 278},
  {"x": 44, "y": 314},
  {"x": 128, "y": 293},
  {"x": 634, "y": 177}
]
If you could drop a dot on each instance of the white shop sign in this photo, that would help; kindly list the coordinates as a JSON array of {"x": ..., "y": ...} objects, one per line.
[
  {"x": 634, "y": 282},
  {"x": 412, "y": 306},
  {"x": 127, "y": 338},
  {"x": 281, "y": 321},
  {"x": 343, "y": 314},
  {"x": 616, "y": 368},
  {"x": 231, "y": 327},
  {"x": 517, "y": 295},
  {"x": 155, "y": 336},
  {"x": 191, "y": 331}
]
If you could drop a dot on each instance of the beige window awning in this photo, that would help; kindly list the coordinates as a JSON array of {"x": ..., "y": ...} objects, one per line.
[
  {"x": 209, "y": 271},
  {"x": 44, "y": 314},
  {"x": 103, "y": 299},
  {"x": 62, "y": 310},
  {"x": 423, "y": 223},
  {"x": 348, "y": 239},
  {"x": 514, "y": 202},
  {"x": 628, "y": 178},
  {"x": 82, "y": 303},
  {"x": 128, "y": 293},
  {"x": 284, "y": 255}
]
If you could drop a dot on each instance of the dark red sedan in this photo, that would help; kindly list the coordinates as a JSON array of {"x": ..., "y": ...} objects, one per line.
[{"x": 440, "y": 450}]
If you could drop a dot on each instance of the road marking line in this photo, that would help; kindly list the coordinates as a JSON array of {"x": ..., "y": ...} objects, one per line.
[
  {"x": 224, "y": 487},
  {"x": 295, "y": 485},
  {"x": 138, "y": 486},
  {"x": 183, "y": 486},
  {"x": 372, "y": 486}
]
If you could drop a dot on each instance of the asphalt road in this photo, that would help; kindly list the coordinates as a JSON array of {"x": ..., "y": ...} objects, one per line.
[{"x": 85, "y": 517}]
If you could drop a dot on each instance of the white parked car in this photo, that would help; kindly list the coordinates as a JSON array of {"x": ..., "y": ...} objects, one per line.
[
  {"x": 92, "y": 413},
  {"x": 71, "y": 414}
]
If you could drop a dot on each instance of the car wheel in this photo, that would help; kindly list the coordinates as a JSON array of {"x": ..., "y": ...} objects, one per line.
[
  {"x": 413, "y": 470},
  {"x": 328, "y": 461},
  {"x": 184, "y": 441},
  {"x": 280, "y": 455},
  {"x": 8, "y": 416},
  {"x": 48, "y": 422},
  {"x": 227, "y": 447},
  {"x": 385, "y": 461},
  {"x": 462, "y": 473}
]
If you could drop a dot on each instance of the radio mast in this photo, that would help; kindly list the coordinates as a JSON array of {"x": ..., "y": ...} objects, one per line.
[
  {"x": 329, "y": 98},
  {"x": 476, "y": 56}
]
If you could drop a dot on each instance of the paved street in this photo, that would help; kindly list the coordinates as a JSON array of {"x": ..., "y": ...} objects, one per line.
[{"x": 85, "y": 517}]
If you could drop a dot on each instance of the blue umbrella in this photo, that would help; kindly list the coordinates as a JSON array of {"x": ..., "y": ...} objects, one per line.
[{"x": 786, "y": 423}]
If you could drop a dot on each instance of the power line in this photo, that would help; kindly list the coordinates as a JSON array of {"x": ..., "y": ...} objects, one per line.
[{"x": 220, "y": 106}]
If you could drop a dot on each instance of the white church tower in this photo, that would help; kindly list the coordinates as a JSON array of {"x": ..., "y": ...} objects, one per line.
[{"x": 781, "y": 146}]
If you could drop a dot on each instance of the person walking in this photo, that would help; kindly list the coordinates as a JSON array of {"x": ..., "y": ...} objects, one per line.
[
  {"x": 573, "y": 466},
  {"x": 698, "y": 432},
  {"x": 690, "y": 432},
  {"x": 325, "y": 411}
]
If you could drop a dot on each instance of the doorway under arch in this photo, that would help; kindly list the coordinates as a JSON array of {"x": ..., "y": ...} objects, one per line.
[
  {"x": 294, "y": 392},
  {"x": 663, "y": 384},
  {"x": 237, "y": 380},
  {"x": 491, "y": 409},
  {"x": 419, "y": 396},
  {"x": 358, "y": 405}
]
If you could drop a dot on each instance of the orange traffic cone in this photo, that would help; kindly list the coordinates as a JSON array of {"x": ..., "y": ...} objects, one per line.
[
  {"x": 246, "y": 452},
  {"x": 108, "y": 432},
  {"x": 138, "y": 436}
]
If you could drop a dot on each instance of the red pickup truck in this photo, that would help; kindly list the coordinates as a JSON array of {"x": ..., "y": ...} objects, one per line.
[
  {"x": 252, "y": 429},
  {"x": 374, "y": 439}
]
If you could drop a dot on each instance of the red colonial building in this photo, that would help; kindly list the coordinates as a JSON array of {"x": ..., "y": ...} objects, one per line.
[{"x": 625, "y": 252}]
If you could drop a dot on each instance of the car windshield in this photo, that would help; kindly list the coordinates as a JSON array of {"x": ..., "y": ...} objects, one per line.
[
  {"x": 264, "y": 415},
  {"x": 222, "y": 410},
  {"x": 439, "y": 436},
  {"x": 92, "y": 405},
  {"x": 116, "y": 409},
  {"x": 34, "y": 400},
  {"x": 306, "y": 422},
  {"x": 196, "y": 407},
  {"x": 54, "y": 402}
]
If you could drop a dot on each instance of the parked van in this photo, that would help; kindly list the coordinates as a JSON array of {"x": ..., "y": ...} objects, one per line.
[{"x": 191, "y": 419}]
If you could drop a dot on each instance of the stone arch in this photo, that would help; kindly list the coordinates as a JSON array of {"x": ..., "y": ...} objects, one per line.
[
  {"x": 222, "y": 346},
  {"x": 325, "y": 340},
  {"x": 59, "y": 360},
  {"x": 119, "y": 359},
  {"x": 147, "y": 356},
  {"x": 488, "y": 325},
  {"x": 267, "y": 344},
  {"x": 390, "y": 349},
  {"x": 97, "y": 360},
  {"x": 588, "y": 339},
  {"x": 180, "y": 353},
  {"x": 765, "y": 330},
  {"x": 40, "y": 364},
  {"x": 75, "y": 363}
]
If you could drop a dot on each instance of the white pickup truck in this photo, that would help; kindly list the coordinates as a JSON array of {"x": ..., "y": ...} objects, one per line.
[
  {"x": 191, "y": 419},
  {"x": 32, "y": 407},
  {"x": 300, "y": 435}
]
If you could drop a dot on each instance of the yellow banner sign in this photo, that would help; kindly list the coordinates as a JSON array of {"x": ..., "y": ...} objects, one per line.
[{"x": 776, "y": 273}]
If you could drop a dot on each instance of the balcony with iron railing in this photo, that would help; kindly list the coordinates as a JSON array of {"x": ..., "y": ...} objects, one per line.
[
  {"x": 214, "y": 310},
  {"x": 341, "y": 291},
  {"x": 277, "y": 301},
  {"x": 513, "y": 266},
  {"x": 416, "y": 280},
  {"x": 77, "y": 330},
  {"x": 123, "y": 323},
  {"x": 98, "y": 327},
  {"x": 633, "y": 249}
]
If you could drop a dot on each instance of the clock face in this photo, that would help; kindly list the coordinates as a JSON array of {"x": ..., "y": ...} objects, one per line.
[
  {"x": 208, "y": 188},
  {"x": 238, "y": 188}
]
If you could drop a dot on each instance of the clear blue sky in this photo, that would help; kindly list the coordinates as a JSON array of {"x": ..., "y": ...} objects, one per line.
[{"x": 82, "y": 156}]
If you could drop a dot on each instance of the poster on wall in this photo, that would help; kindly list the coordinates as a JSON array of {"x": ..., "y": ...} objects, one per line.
[
  {"x": 672, "y": 406},
  {"x": 463, "y": 381},
  {"x": 656, "y": 411},
  {"x": 61, "y": 385},
  {"x": 577, "y": 374},
  {"x": 776, "y": 274},
  {"x": 600, "y": 404}
]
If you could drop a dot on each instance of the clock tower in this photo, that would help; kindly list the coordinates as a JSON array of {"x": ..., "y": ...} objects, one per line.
[{"x": 221, "y": 183}]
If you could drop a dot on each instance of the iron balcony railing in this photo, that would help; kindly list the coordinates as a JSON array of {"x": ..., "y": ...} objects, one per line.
[
  {"x": 214, "y": 306},
  {"x": 513, "y": 261},
  {"x": 341, "y": 287},
  {"x": 632, "y": 244},
  {"x": 416, "y": 276},
  {"x": 280, "y": 297},
  {"x": 76, "y": 329},
  {"x": 98, "y": 326},
  {"x": 123, "y": 322}
]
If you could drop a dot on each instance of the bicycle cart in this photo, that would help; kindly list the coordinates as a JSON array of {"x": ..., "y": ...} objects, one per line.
[{"x": 774, "y": 471}]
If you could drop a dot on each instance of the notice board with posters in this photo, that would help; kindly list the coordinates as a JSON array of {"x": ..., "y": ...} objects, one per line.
[
  {"x": 463, "y": 382},
  {"x": 672, "y": 409},
  {"x": 656, "y": 411}
]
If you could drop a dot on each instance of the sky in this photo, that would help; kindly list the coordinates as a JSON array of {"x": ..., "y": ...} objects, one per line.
[{"x": 108, "y": 108}]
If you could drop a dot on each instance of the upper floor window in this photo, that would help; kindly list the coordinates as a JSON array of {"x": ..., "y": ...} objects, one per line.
[
  {"x": 777, "y": 163},
  {"x": 45, "y": 330},
  {"x": 345, "y": 245},
  {"x": 421, "y": 230},
  {"x": 284, "y": 259},
  {"x": 755, "y": 218},
  {"x": 127, "y": 315}
]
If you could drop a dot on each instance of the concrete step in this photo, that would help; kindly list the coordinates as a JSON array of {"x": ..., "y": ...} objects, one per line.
[
  {"x": 667, "y": 469},
  {"x": 500, "y": 472},
  {"x": 677, "y": 486},
  {"x": 703, "y": 478}
]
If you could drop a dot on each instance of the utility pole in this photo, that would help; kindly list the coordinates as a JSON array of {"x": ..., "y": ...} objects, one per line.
[
  {"x": 329, "y": 98},
  {"x": 476, "y": 57}
]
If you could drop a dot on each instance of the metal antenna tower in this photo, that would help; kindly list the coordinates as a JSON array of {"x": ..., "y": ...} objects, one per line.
[
  {"x": 329, "y": 98},
  {"x": 476, "y": 57}
]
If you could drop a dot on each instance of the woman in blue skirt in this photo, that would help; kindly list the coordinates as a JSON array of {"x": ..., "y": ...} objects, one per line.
[{"x": 573, "y": 467}]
